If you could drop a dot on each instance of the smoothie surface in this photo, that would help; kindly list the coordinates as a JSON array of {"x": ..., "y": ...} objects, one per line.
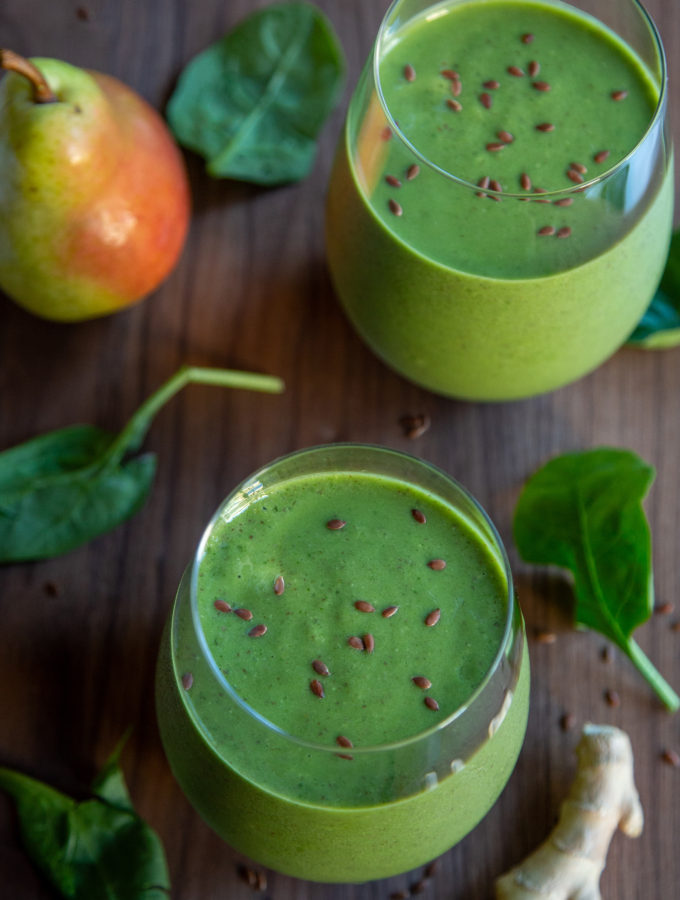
[{"x": 315, "y": 586}]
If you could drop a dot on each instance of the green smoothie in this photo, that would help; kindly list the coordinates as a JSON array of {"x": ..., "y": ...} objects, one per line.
[
  {"x": 341, "y": 698},
  {"x": 503, "y": 233}
]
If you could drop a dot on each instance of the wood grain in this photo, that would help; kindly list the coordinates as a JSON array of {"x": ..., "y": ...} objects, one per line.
[{"x": 80, "y": 634}]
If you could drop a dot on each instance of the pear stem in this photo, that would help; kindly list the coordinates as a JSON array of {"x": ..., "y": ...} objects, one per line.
[{"x": 42, "y": 92}]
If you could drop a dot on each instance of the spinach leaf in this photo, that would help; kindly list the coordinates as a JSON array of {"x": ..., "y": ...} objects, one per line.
[
  {"x": 583, "y": 512},
  {"x": 96, "y": 848},
  {"x": 659, "y": 328},
  {"x": 253, "y": 103},
  {"x": 63, "y": 488}
]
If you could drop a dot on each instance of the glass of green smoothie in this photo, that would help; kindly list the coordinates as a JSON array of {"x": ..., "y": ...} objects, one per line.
[
  {"x": 343, "y": 683},
  {"x": 500, "y": 207}
]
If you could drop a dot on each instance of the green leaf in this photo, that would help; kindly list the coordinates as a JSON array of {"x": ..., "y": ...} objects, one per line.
[
  {"x": 254, "y": 103},
  {"x": 93, "y": 849},
  {"x": 659, "y": 328},
  {"x": 583, "y": 512},
  {"x": 62, "y": 489}
]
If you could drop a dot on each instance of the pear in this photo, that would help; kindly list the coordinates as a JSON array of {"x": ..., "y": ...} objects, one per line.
[{"x": 94, "y": 199}]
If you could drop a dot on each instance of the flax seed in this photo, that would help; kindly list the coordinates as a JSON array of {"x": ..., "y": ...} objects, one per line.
[
  {"x": 540, "y": 85},
  {"x": 431, "y": 703},
  {"x": 671, "y": 758},
  {"x": 399, "y": 895},
  {"x": 393, "y": 181},
  {"x": 525, "y": 182},
  {"x": 579, "y": 167},
  {"x": 601, "y": 155},
  {"x": 409, "y": 72},
  {"x": 320, "y": 667},
  {"x": 316, "y": 688},
  {"x": 355, "y": 642},
  {"x": 505, "y": 136},
  {"x": 369, "y": 643},
  {"x": 546, "y": 231},
  {"x": 419, "y": 516},
  {"x": 483, "y": 183},
  {"x": 565, "y": 201},
  {"x": 575, "y": 176},
  {"x": 606, "y": 654},
  {"x": 422, "y": 682},
  {"x": 563, "y": 232},
  {"x": 244, "y": 614},
  {"x": 222, "y": 606},
  {"x": 335, "y": 524},
  {"x": 412, "y": 172},
  {"x": 395, "y": 208},
  {"x": 415, "y": 426},
  {"x": 675, "y": 626},
  {"x": 343, "y": 741},
  {"x": 433, "y": 617},
  {"x": 533, "y": 68},
  {"x": 664, "y": 609},
  {"x": 515, "y": 71},
  {"x": 389, "y": 611},
  {"x": 546, "y": 637},
  {"x": 527, "y": 38},
  {"x": 495, "y": 186},
  {"x": 455, "y": 105},
  {"x": 485, "y": 100},
  {"x": 491, "y": 85},
  {"x": 612, "y": 698},
  {"x": 456, "y": 88},
  {"x": 187, "y": 681},
  {"x": 419, "y": 887},
  {"x": 545, "y": 127},
  {"x": 437, "y": 564},
  {"x": 431, "y": 869},
  {"x": 386, "y": 133},
  {"x": 279, "y": 585},
  {"x": 496, "y": 146},
  {"x": 364, "y": 606},
  {"x": 344, "y": 756},
  {"x": 619, "y": 95},
  {"x": 257, "y": 631},
  {"x": 450, "y": 74},
  {"x": 567, "y": 721}
]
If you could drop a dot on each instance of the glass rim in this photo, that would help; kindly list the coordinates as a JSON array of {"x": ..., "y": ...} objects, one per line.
[
  {"x": 498, "y": 547},
  {"x": 658, "y": 115}
]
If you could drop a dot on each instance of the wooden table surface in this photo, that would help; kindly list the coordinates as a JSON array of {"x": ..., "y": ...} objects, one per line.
[{"x": 79, "y": 634}]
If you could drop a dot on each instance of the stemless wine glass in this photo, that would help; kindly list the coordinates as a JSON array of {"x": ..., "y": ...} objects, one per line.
[
  {"x": 328, "y": 810},
  {"x": 472, "y": 249}
]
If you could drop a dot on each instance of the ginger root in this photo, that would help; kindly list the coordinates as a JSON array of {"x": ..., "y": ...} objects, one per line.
[{"x": 603, "y": 797}]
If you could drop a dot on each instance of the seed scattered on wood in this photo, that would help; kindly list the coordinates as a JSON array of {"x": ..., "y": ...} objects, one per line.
[
  {"x": 256, "y": 880},
  {"x": 546, "y": 637},
  {"x": 320, "y": 667},
  {"x": 671, "y": 758},
  {"x": 525, "y": 182},
  {"x": 579, "y": 167},
  {"x": 187, "y": 681},
  {"x": 451, "y": 74},
  {"x": 431, "y": 703},
  {"x": 606, "y": 654},
  {"x": 386, "y": 133},
  {"x": 540, "y": 85},
  {"x": 563, "y": 232},
  {"x": 567, "y": 721},
  {"x": 423, "y": 683},
  {"x": 364, "y": 606},
  {"x": 664, "y": 609},
  {"x": 675, "y": 626},
  {"x": 222, "y": 606},
  {"x": 415, "y": 426},
  {"x": 393, "y": 181},
  {"x": 433, "y": 617},
  {"x": 395, "y": 208},
  {"x": 257, "y": 631},
  {"x": 456, "y": 88},
  {"x": 455, "y": 105},
  {"x": 51, "y": 589},
  {"x": 612, "y": 698},
  {"x": 316, "y": 688},
  {"x": 369, "y": 643},
  {"x": 491, "y": 85},
  {"x": 546, "y": 231},
  {"x": 355, "y": 642},
  {"x": 575, "y": 176},
  {"x": 409, "y": 72},
  {"x": 527, "y": 38},
  {"x": 83, "y": 14},
  {"x": 505, "y": 136},
  {"x": 279, "y": 585},
  {"x": 389, "y": 611},
  {"x": 565, "y": 201},
  {"x": 431, "y": 869},
  {"x": 335, "y": 524},
  {"x": 399, "y": 895},
  {"x": 619, "y": 95},
  {"x": 495, "y": 146},
  {"x": 437, "y": 564},
  {"x": 343, "y": 741},
  {"x": 515, "y": 71},
  {"x": 601, "y": 155},
  {"x": 412, "y": 172},
  {"x": 533, "y": 68},
  {"x": 485, "y": 100},
  {"x": 545, "y": 127},
  {"x": 419, "y": 887},
  {"x": 419, "y": 516},
  {"x": 244, "y": 614}
]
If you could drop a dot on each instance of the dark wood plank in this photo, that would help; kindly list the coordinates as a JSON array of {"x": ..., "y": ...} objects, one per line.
[{"x": 252, "y": 292}]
